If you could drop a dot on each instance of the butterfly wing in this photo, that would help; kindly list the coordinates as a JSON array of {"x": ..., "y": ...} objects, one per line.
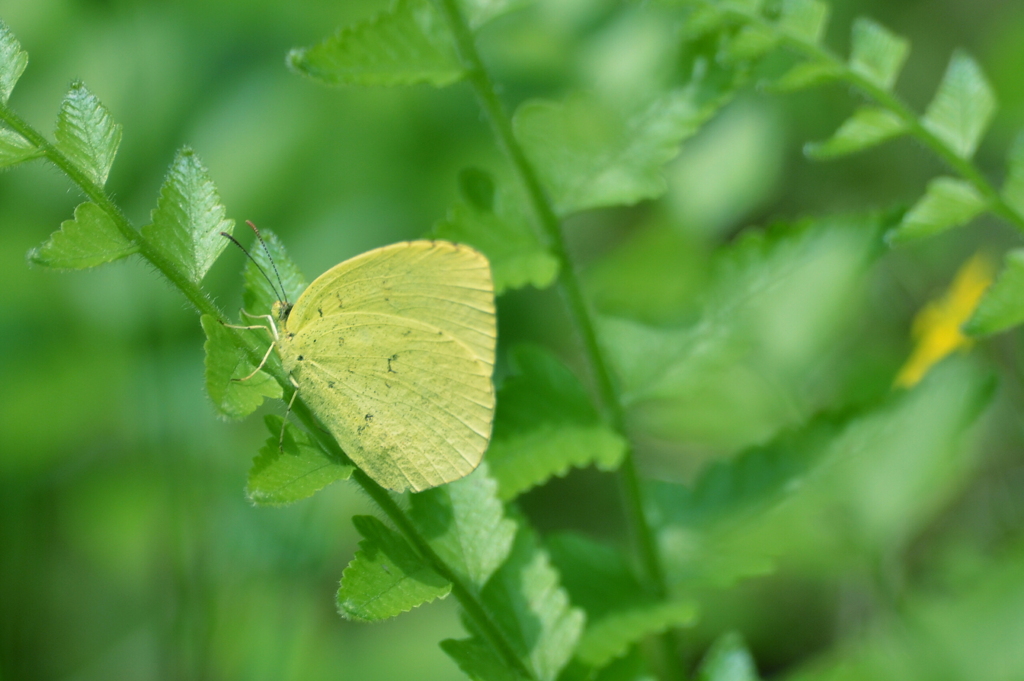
[
  {"x": 439, "y": 283},
  {"x": 393, "y": 351}
]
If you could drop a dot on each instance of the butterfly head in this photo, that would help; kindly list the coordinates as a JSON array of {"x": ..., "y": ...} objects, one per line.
[{"x": 281, "y": 309}]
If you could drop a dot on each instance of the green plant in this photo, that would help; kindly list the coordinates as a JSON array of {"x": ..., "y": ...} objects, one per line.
[{"x": 806, "y": 451}]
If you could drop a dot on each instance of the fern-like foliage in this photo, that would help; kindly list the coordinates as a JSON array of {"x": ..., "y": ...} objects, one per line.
[
  {"x": 546, "y": 425},
  {"x": 291, "y": 466},
  {"x": 387, "y": 577},
  {"x": 233, "y": 383},
  {"x": 189, "y": 218},
  {"x": 952, "y": 125},
  {"x": 90, "y": 239}
]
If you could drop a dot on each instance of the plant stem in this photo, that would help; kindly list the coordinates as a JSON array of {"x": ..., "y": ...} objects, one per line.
[
  {"x": 571, "y": 288},
  {"x": 887, "y": 100},
  {"x": 204, "y": 304}
]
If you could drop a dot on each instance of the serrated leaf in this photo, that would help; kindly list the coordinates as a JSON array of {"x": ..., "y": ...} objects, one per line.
[
  {"x": 226, "y": 365},
  {"x": 292, "y": 469},
  {"x": 877, "y": 53},
  {"x": 804, "y": 19},
  {"x": 612, "y": 635},
  {"x": 590, "y": 155},
  {"x": 545, "y": 425},
  {"x": 259, "y": 294},
  {"x": 947, "y": 203},
  {"x": 685, "y": 383},
  {"x": 1002, "y": 306},
  {"x": 464, "y": 522},
  {"x": 90, "y": 239},
  {"x": 728, "y": 660},
  {"x": 963, "y": 107},
  {"x": 867, "y": 127},
  {"x": 405, "y": 45},
  {"x": 1013, "y": 188},
  {"x": 87, "y": 134},
  {"x": 13, "y": 61},
  {"x": 499, "y": 225},
  {"x": 805, "y": 75},
  {"x": 386, "y": 577},
  {"x": 478, "y": 661},
  {"x": 189, "y": 217},
  {"x": 532, "y": 609},
  {"x": 15, "y": 149},
  {"x": 619, "y": 612}
]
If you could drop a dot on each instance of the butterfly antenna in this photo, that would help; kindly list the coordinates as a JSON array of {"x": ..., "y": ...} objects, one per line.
[
  {"x": 249, "y": 255},
  {"x": 284, "y": 293}
]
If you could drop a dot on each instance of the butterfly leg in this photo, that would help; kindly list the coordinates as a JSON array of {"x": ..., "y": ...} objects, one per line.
[
  {"x": 260, "y": 366},
  {"x": 295, "y": 393},
  {"x": 268, "y": 317}
]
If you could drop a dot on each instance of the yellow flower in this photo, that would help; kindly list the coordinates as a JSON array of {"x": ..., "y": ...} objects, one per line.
[{"x": 936, "y": 328}]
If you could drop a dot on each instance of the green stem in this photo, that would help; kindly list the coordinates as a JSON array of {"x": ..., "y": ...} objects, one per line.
[
  {"x": 887, "y": 100},
  {"x": 247, "y": 343},
  {"x": 571, "y": 289}
]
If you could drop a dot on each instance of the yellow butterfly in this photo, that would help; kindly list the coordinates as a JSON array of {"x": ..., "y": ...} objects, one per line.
[{"x": 393, "y": 351}]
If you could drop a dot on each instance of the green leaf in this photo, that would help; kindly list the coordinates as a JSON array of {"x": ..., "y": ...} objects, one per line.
[
  {"x": 497, "y": 222},
  {"x": 947, "y": 203},
  {"x": 804, "y": 19},
  {"x": 464, "y": 522},
  {"x": 877, "y": 54},
  {"x": 13, "y": 61},
  {"x": 292, "y": 469},
  {"x": 619, "y": 612},
  {"x": 590, "y": 155},
  {"x": 479, "y": 12},
  {"x": 777, "y": 304},
  {"x": 226, "y": 365},
  {"x": 963, "y": 107},
  {"x": 545, "y": 425},
  {"x": 189, "y": 218},
  {"x": 728, "y": 660},
  {"x": 532, "y": 609},
  {"x": 87, "y": 134},
  {"x": 867, "y": 127},
  {"x": 405, "y": 45},
  {"x": 743, "y": 485},
  {"x": 1013, "y": 187},
  {"x": 387, "y": 577},
  {"x": 748, "y": 7},
  {"x": 14, "y": 149},
  {"x": 613, "y": 635},
  {"x": 805, "y": 75},
  {"x": 597, "y": 576},
  {"x": 478, "y": 661},
  {"x": 886, "y": 473},
  {"x": 258, "y": 295},
  {"x": 90, "y": 239},
  {"x": 750, "y": 43},
  {"x": 1002, "y": 306}
]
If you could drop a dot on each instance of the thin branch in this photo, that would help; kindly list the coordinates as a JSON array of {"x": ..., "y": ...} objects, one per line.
[
  {"x": 473, "y": 607},
  {"x": 571, "y": 289},
  {"x": 887, "y": 100}
]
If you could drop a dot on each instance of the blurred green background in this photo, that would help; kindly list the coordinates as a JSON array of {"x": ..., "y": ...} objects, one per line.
[{"x": 127, "y": 548}]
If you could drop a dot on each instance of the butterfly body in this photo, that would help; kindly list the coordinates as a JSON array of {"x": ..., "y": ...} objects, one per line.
[{"x": 393, "y": 351}]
